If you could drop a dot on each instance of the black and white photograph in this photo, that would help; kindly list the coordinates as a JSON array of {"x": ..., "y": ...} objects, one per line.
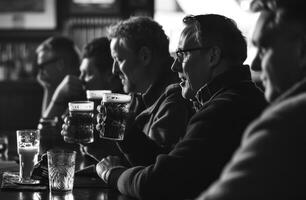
[{"x": 152, "y": 99}]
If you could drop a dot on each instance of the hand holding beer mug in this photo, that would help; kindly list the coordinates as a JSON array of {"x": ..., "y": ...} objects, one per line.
[
  {"x": 78, "y": 126},
  {"x": 96, "y": 97},
  {"x": 28, "y": 148},
  {"x": 113, "y": 116}
]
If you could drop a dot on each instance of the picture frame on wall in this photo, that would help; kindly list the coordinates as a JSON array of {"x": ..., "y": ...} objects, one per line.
[
  {"x": 95, "y": 7},
  {"x": 28, "y": 15}
]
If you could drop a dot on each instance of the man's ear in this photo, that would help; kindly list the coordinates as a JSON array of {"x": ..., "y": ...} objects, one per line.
[
  {"x": 60, "y": 65},
  {"x": 215, "y": 55},
  {"x": 145, "y": 55}
]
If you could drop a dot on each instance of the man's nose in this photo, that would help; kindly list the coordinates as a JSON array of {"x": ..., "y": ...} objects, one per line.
[
  {"x": 256, "y": 64},
  {"x": 115, "y": 68},
  {"x": 176, "y": 66}
]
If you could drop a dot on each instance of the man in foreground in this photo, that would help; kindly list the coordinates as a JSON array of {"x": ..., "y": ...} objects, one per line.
[{"x": 271, "y": 161}]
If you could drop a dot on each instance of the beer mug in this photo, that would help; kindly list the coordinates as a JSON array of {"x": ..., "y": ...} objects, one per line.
[
  {"x": 80, "y": 122},
  {"x": 96, "y": 97},
  {"x": 115, "y": 113}
]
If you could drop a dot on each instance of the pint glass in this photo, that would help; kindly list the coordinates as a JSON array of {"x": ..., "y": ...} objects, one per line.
[
  {"x": 115, "y": 112},
  {"x": 80, "y": 125},
  {"x": 28, "y": 142}
]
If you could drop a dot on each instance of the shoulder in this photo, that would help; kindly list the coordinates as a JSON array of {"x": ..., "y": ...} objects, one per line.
[
  {"x": 173, "y": 94},
  {"x": 286, "y": 117},
  {"x": 294, "y": 106},
  {"x": 174, "y": 88},
  {"x": 245, "y": 98}
]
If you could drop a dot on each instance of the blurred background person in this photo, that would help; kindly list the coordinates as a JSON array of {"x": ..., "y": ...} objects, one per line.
[
  {"x": 56, "y": 57},
  {"x": 96, "y": 74}
]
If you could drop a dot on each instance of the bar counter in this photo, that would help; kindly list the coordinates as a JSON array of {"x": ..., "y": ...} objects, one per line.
[{"x": 78, "y": 193}]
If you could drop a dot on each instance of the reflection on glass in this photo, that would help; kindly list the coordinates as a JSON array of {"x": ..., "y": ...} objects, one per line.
[
  {"x": 103, "y": 196},
  {"x": 39, "y": 196},
  {"x": 61, "y": 196}
]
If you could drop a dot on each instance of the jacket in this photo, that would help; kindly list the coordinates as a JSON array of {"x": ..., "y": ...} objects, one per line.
[
  {"x": 162, "y": 115},
  {"x": 227, "y": 104},
  {"x": 271, "y": 161}
]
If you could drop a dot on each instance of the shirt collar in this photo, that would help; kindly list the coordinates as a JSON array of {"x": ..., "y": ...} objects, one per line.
[{"x": 224, "y": 80}]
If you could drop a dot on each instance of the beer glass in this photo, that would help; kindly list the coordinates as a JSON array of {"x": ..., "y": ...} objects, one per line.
[
  {"x": 28, "y": 148},
  {"x": 80, "y": 125},
  {"x": 61, "y": 168},
  {"x": 115, "y": 112}
]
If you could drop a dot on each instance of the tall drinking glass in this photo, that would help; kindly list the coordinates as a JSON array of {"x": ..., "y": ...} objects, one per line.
[
  {"x": 61, "y": 168},
  {"x": 80, "y": 126},
  {"x": 115, "y": 112},
  {"x": 28, "y": 148}
]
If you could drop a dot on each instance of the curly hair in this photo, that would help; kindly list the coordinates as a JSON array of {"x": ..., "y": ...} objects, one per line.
[{"x": 139, "y": 32}]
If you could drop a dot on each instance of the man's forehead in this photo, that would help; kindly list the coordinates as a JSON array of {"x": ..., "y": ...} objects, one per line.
[
  {"x": 43, "y": 47},
  {"x": 186, "y": 41},
  {"x": 264, "y": 28},
  {"x": 119, "y": 44}
]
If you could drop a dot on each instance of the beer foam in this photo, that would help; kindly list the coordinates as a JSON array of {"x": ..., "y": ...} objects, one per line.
[
  {"x": 81, "y": 106},
  {"x": 96, "y": 94},
  {"x": 116, "y": 98}
]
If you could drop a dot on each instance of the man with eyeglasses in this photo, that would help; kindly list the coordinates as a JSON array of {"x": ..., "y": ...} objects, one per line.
[{"x": 210, "y": 65}]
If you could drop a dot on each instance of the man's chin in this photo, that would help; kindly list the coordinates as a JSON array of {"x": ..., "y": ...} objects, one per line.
[{"x": 43, "y": 82}]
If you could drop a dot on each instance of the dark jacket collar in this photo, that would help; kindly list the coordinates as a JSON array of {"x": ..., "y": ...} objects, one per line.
[{"x": 220, "y": 82}]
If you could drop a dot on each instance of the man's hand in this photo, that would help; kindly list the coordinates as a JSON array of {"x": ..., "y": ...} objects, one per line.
[
  {"x": 106, "y": 164},
  {"x": 101, "y": 118},
  {"x": 65, "y": 126}
]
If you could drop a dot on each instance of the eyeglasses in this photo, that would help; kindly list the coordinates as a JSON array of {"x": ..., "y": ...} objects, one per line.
[{"x": 180, "y": 52}]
